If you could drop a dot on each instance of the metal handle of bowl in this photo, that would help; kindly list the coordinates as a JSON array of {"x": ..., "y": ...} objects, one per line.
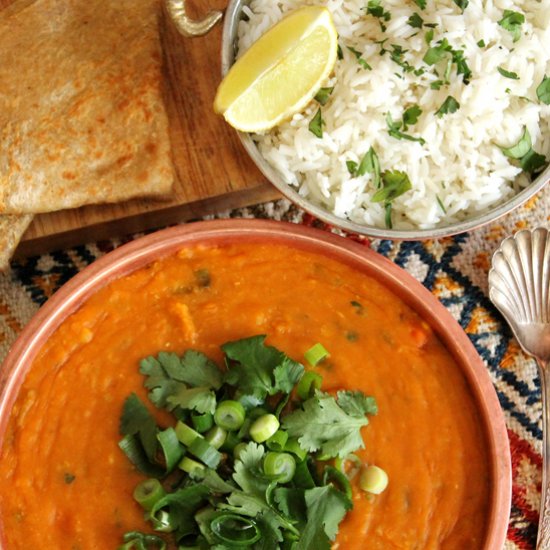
[{"x": 190, "y": 27}]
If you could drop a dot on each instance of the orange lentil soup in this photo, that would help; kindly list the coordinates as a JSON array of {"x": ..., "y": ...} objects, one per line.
[{"x": 64, "y": 483}]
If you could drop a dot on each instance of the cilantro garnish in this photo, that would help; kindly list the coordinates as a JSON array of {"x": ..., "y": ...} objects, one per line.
[
  {"x": 369, "y": 163},
  {"x": 394, "y": 130},
  {"x": 462, "y": 4},
  {"x": 428, "y": 37},
  {"x": 316, "y": 124},
  {"x": 323, "y": 95},
  {"x": 441, "y": 205},
  {"x": 543, "y": 91},
  {"x": 258, "y": 493},
  {"x": 512, "y": 21},
  {"x": 397, "y": 54},
  {"x": 481, "y": 43},
  {"x": 415, "y": 21},
  {"x": 375, "y": 9},
  {"x": 443, "y": 49},
  {"x": 530, "y": 161},
  {"x": 360, "y": 60},
  {"x": 450, "y": 105},
  {"x": 421, "y": 4},
  {"x": 508, "y": 74},
  {"x": 436, "y": 84},
  {"x": 410, "y": 116},
  {"x": 339, "y": 52},
  {"x": 394, "y": 184}
]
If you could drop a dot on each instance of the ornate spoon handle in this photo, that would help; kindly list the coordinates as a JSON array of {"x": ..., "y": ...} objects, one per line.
[{"x": 543, "y": 542}]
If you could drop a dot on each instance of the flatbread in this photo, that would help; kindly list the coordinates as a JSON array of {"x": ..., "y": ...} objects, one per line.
[
  {"x": 12, "y": 229},
  {"x": 81, "y": 113}
]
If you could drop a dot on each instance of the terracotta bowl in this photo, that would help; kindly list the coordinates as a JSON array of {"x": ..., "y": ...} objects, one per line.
[{"x": 141, "y": 252}]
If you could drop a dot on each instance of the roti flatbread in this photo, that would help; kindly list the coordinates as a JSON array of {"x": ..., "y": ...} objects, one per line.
[
  {"x": 11, "y": 231},
  {"x": 81, "y": 113}
]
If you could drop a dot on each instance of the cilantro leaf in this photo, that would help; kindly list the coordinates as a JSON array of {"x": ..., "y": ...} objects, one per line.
[
  {"x": 543, "y": 91},
  {"x": 508, "y": 74},
  {"x": 394, "y": 131},
  {"x": 410, "y": 116},
  {"x": 436, "y": 85},
  {"x": 352, "y": 167},
  {"x": 202, "y": 400},
  {"x": 323, "y": 95},
  {"x": 395, "y": 183},
  {"x": 376, "y": 10},
  {"x": 428, "y": 37},
  {"x": 450, "y": 105},
  {"x": 260, "y": 370},
  {"x": 198, "y": 370},
  {"x": 481, "y": 43},
  {"x": 323, "y": 425},
  {"x": 437, "y": 52},
  {"x": 291, "y": 503},
  {"x": 360, "y": 60},
  {"x": 415, "y": 21},
  {"x": 248, "y": 470},
  {"x": 532, "y": 162},
  {"x": 521, "y": 148},
  {"x": 462, "y": 4},
  {"x": 461, "y": 65},
  {"x": 326, "y": 507},
  {"x": 512, "y": 21},
  {"x": 316, "y": 124},
  {"x": 356, "y": 403},
  {"x": 370, "y": 163},
  {"x": 159, "y": 377},
  {"x": 137, "y": 420},
  {"x": 421, "y": 4}
]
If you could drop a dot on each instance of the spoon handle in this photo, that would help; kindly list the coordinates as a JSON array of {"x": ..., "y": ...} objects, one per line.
[{"x": 543, "y": 541}]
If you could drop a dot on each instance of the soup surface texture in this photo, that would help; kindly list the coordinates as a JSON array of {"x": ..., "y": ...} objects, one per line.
[{"x": 64, "y": 483}]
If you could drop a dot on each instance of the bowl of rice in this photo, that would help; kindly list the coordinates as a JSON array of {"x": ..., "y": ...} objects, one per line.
[{"x": 435, "y": 121}]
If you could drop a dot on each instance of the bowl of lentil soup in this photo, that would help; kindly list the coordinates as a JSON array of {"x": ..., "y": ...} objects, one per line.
[{"x": 439, "y": 432}]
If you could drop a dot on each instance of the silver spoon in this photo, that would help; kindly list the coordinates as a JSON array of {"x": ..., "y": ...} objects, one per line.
[{"x": 519, "y": 286}]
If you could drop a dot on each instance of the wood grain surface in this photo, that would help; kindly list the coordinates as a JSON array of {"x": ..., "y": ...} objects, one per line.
[{"x": 213, "y": 171}]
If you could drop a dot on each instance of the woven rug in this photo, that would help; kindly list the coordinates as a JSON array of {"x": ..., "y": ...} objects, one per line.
[{"x": 453, "y": 269}]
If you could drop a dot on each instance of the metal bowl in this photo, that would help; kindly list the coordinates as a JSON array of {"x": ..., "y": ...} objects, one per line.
[{"x": 232, "y": 17}]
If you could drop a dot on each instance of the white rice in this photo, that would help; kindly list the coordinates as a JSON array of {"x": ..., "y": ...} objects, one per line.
[{"x": 460, "y": 164}]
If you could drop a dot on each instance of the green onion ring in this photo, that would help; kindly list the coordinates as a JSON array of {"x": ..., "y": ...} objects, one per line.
[
  {"x": 229, "y": 415},
  {"x": 235, "y": 530},
  {"x": 307, "y": 385},
  {"x": 337, "y": 478}
]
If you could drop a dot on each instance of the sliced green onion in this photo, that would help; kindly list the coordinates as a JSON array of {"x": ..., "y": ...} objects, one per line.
[
  {"x": 239, "y": 449},
  {"x": 202, "y": 422},
  {"x": 140, "y": 541},
  {"x": 148, "y": 492},
  {"x": 373, "y": 480},
  {"x": 205, "y": 452},
  {"x": 303, "y": 478},
  {"x": 231, "y": 440},
  {"x": 316, "y": 354},
  {"x": 307, "y": 385},
  {"x": 229, "y": 415},
  {"x": 192, "y": 466},
  {"x": 337, "y": 478},
  {"x": 264, "y": 427},
  {"x": 162, "y": 521},
  {"x": 171, "y": 448},
  {"x": 292, "y": 446},
  {"x": 235, "y": 530},
  {"x": 280, "y": 466},
  {"x": 277, "y": 441},
  {"x": 349, "y": 466},
  {"x": 186, "y": 434},
  {"x": 131, "y": 446},
  {"x": 216, "y": 437}
]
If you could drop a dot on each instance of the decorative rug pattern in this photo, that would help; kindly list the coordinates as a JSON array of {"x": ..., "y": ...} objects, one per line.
[{"x": 453, "y": 269}]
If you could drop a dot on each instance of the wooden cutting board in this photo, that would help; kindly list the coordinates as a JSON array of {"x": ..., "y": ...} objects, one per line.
[{"x": 213, "y": 171}]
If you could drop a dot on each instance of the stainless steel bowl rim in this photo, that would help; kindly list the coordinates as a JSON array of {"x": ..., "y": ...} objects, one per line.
[{"x": 228, "y": 50}]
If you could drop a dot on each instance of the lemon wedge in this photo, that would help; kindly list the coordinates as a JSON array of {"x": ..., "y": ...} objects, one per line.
[{"x": 281, "y": 72}]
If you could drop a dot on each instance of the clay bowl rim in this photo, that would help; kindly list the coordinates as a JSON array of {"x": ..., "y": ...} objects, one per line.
[{"x": 144, "y": 250}]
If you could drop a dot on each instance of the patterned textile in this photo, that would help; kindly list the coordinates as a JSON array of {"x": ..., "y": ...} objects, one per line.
[{"x": 454, "y": 269}]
